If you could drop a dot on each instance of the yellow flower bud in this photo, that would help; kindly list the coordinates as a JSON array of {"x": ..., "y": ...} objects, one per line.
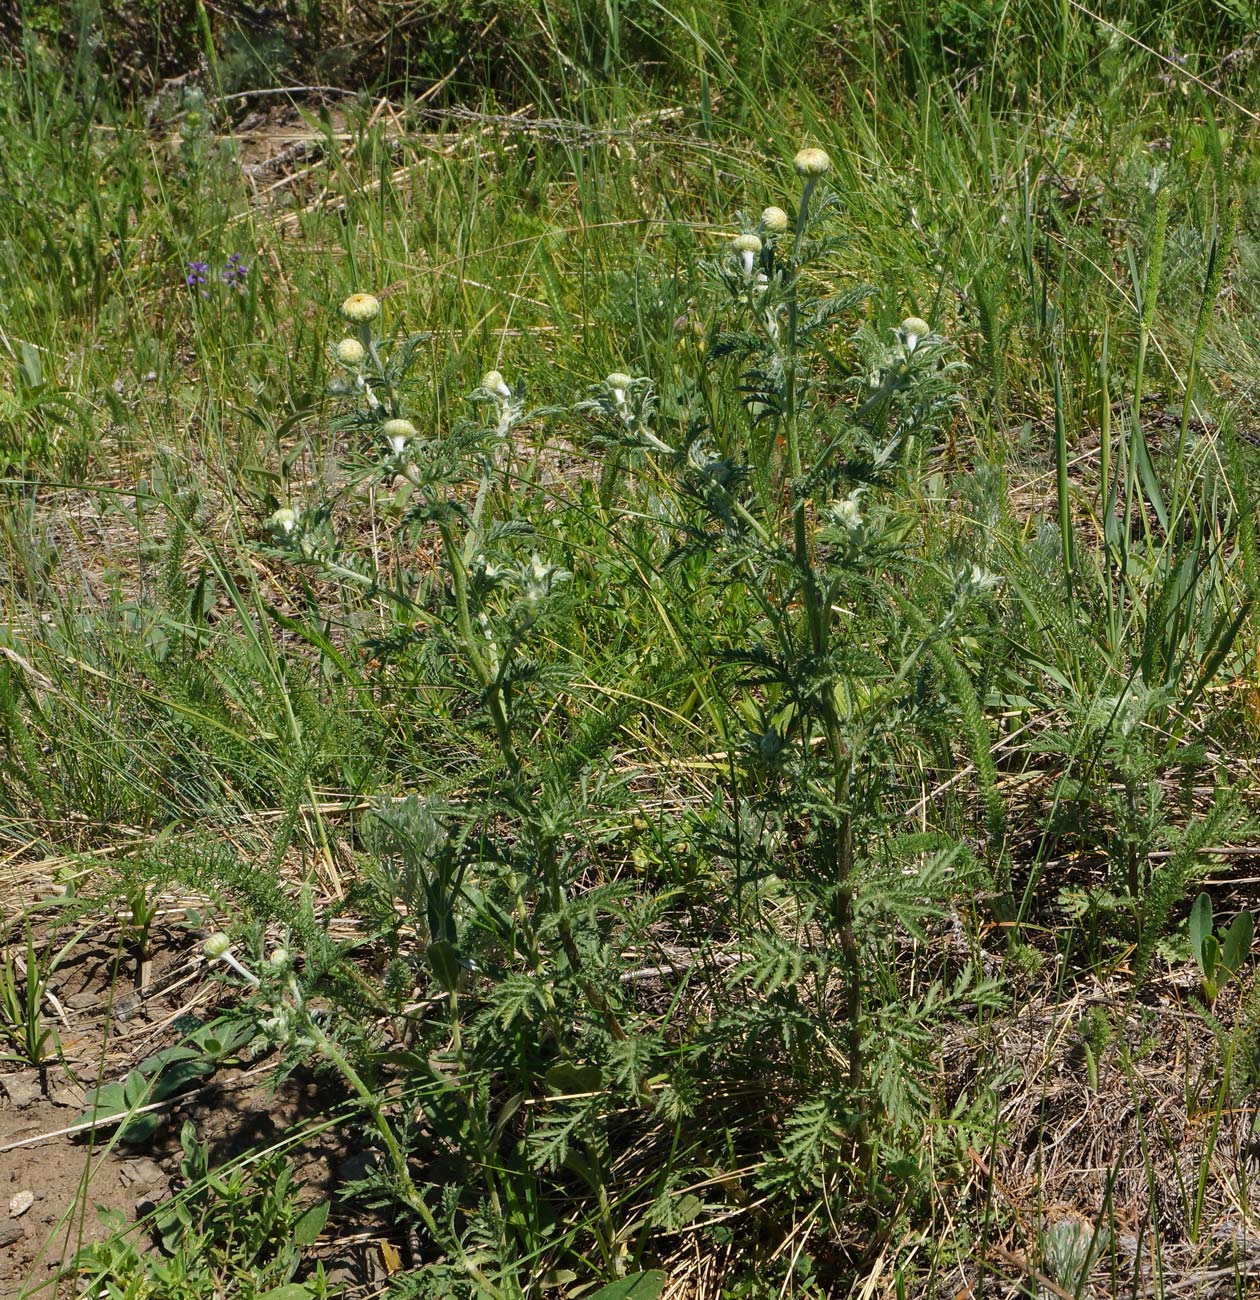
[
  {"x": 774, "y": 220},
  {"x": 350, "y": 352},
  {"x": 811, "y": 162},
  {"x": 397, "y": 433},
  {"x": 216, "y": 946},
  {"x": 747, "y": 246},
  {"x": 493, "y": 382},
  {"x": 361, "y": 308},
  {"x": 912, "y": 329}
]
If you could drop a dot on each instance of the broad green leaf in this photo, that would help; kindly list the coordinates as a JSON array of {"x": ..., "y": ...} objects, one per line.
[
  {"x": 1200, "y": 928},
  {"x": 638, "y": 1286},
  {"x": 311, "y": 1224},
  {"x": 444, "y": 961},
  {"x": 139, "y": 1130},
  {"x": 32, "y": 368},
  {"x": 1236, "y": 946}
]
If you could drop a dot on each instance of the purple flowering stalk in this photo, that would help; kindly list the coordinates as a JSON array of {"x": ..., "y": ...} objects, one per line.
[
  {"x": 234, "y": 273},
  {"x": 196, "y": 277}
]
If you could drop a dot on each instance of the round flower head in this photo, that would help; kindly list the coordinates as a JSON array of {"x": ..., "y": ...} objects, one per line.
[
  {"x": 847, "y": 514},
  {"x": 811, "y": 163},
  {"x": 774, "y": 220},
  {"x": 747, "y": 246},
  {"x": 493, "y": 382},
  {"x": 350, "y": 352},
  {"x": 398, "y": 432},
  {"x": 216, "y": 946},
  {"x": 285, "y": 519},
  {"x": 912, "y": 329},
  {"x": 361, "y": 308},
  {"x": 618, "y": 382},
  {"x": 278, "y": 957}
]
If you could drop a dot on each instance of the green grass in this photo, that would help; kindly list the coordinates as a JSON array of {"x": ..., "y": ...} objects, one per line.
[{"x": 726, "y": 858}]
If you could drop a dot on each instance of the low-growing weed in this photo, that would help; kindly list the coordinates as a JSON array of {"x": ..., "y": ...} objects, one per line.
[
  {"x": 238, "y": 1232},
  {"x": 131, "y": 1105},
  {"x": 26, "y": 1023}
]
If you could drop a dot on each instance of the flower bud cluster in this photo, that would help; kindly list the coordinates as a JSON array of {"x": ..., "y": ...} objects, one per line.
[
  {"x": 846, "y": 515},
  {"x": 538, "y": 580},
  {"x": 354, "y": 352},
  {"x": 287, "y": 1022}
]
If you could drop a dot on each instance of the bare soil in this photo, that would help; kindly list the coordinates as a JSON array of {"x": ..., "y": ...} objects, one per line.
[{"x": 81, "y": 1180}]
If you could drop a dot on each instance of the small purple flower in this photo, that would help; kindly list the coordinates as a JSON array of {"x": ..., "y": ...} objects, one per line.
[
  {"x": 197, "y": 276},
  {"x": 234, "y": 273}
]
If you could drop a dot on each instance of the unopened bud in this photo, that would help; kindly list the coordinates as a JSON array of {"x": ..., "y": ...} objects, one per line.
[
  {"x": 913, "y": 328},
  {"x": 216, "y": 946},
  {"x": 361, "y": 308},
  {"x": 810, "y": 163},
  {"x": 619, "y": 382},
  {"x": 493, "y": 382},
  {"x": 350, "y": 352},
  {"x": 285, "y": 519},
  {"x": 398, "y": 433},
  {"x": 747, "y": 246}
]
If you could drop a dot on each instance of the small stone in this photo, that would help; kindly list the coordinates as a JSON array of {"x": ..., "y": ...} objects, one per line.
[
  {"x": 11, "y": 1231},
  {"x": 85, "y": 1001},
  {"x": 19, "y": 1203},
  {"x": 71, "y": 1095},
  {"x": 143, "y": 1172},
  {"x": 22, "y": 1089}
]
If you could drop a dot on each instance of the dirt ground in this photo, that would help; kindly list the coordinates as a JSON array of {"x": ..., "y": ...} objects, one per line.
[{"x": 58, "y": 1187}]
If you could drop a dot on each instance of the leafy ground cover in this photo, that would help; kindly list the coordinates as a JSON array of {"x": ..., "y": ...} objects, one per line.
[{"x": 627, "y": 663}]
